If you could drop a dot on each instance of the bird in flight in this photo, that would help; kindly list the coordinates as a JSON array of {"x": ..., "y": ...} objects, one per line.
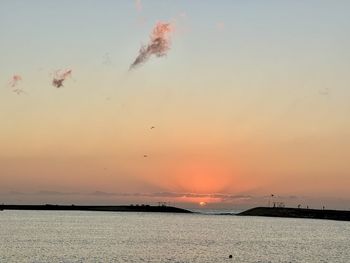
[{"x": 152, "y": 127}]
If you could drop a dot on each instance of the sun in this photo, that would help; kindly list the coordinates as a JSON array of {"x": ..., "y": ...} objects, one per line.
[{"x": 202, "y": 203}]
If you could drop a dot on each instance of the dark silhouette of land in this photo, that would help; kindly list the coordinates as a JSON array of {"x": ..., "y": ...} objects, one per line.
[
  {"x": 120, "y": 208},
  {"x": 297, "y": 213},
  {"x": 257, "y": 211}
]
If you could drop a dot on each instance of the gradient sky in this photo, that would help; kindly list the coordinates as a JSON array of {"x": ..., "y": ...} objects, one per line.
[{"x": 252, "y": 99}]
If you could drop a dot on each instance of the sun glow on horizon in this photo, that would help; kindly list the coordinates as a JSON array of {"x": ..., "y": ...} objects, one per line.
[
  {"x": 204, "y": 177},
  {"x": 221, "y": 125},
  {"x": 200, "y": 200}
]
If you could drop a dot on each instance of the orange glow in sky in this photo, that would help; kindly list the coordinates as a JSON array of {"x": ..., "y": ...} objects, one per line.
[
  {"x": 201, "y": 200},
  {"x": 203, "y": 178},
  {"x": 236, "y": 111}
]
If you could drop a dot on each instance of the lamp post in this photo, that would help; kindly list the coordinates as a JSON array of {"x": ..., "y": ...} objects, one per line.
[{"x": 270, "y": 197}]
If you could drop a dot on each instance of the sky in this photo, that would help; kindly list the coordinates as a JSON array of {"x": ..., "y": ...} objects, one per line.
[{"x": 251, "y": 99}]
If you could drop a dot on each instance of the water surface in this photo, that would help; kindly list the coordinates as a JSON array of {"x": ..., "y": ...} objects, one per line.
[{"x": 73, "y": 236}]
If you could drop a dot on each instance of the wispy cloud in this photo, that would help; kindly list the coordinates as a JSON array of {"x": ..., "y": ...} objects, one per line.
[
  {"x": 138, "y": 5},
  {"x": 14, "y": 82},
  {"x": 55, "y": 193},
  {"x": 60, "y": 76},
  {"x": 159, "y": 44},
  {"x": 152, "y": 195},
  {"x": 220, "y": 26}
]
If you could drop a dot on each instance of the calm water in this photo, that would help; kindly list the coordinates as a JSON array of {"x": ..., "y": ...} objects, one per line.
[{"x": 31, "y": 236}]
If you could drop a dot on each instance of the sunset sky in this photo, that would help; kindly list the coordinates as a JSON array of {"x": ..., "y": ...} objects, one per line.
[{"x": 252, "y": 99}]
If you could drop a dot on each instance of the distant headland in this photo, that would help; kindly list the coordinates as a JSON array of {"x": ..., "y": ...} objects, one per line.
[
  {"x": 340, "y": 215},
  {"x": 119, "y": 208},
  {"x": 298, "y": 213}
]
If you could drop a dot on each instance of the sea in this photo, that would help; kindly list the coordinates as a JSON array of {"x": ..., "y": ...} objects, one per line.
[{"x": 73, "y": 236}]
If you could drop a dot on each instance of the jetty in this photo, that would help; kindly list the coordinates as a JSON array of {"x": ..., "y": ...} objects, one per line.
[
  {"x": 99, "y": 208},
  {"x": 298, "y": 213}
]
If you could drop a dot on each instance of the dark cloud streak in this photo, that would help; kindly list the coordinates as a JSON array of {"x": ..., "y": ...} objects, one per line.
[
  {"x": 60, "y": 76},
  {"x": 159, "y": 44}
]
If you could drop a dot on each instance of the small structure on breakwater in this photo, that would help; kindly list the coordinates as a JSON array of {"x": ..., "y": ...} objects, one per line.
[{"x": 298, "y": 213}]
